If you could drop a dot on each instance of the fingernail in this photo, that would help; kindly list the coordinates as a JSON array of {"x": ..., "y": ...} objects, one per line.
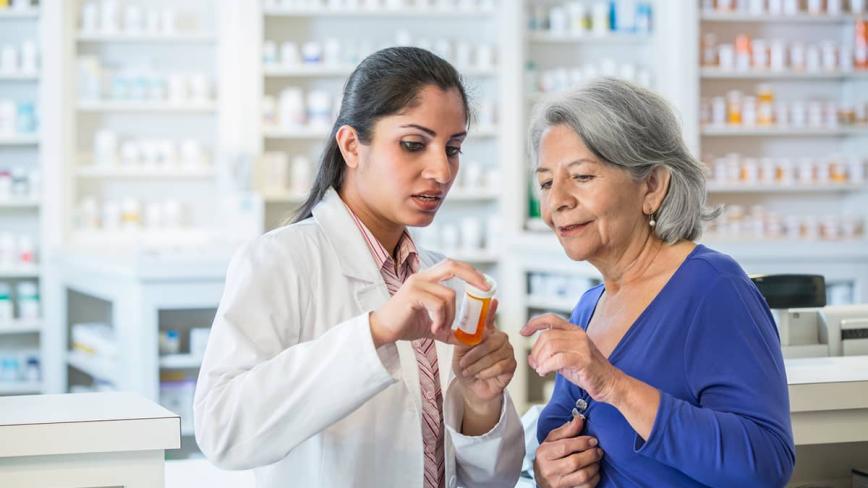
[{"x": 593, "y": 441}]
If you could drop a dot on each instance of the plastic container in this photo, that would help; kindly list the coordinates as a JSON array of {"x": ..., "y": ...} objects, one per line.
[{"x": 473, "y": 315}]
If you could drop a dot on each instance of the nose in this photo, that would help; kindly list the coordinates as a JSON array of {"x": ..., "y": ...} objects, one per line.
[
  {"x": 559, "y": 196},
  {"x": 439, "y": 169}
]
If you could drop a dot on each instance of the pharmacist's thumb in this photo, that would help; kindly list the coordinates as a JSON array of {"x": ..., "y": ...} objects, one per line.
[{"x": 492, "y": 311}]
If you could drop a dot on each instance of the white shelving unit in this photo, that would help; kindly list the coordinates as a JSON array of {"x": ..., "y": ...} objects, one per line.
[
  {"x": 841, "y": 261},
  {"x": 156, "y": 91},
  {"x": 23, "y": 215},
  {"x": 278, "y": 24}
]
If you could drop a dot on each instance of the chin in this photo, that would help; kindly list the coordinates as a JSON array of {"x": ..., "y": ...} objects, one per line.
[
  {"x": 575, "y": 252},
  {"x": 417, "y": 219}
]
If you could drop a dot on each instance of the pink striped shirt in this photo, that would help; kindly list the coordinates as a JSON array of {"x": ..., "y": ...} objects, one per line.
[{"x": 394, "y": 273}]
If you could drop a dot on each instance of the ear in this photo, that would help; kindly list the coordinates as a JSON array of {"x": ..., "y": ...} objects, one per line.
[
  {"x": 656, "y": 185},
  {"x": 348, "y": 143}
]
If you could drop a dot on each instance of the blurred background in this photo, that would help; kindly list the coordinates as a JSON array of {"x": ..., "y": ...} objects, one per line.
[{"x": 142, "y": 141}]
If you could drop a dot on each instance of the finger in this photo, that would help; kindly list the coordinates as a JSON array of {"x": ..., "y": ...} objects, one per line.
[
  {"x": 545, "y": 321},
  {"x": 569, "y": 429},
  {"x": 501, "y": 368},
  {"x": 556, "y": 362},
  {"x": 434, "y": 306},
  {"x": 549, "y": 342},
  {"x": 583, "y": 476},
  {"x": 488, "y": 344},
  {"x": 445, "y": 297},
  {"x": 450, "y": 268},
  {"x": 578, "y": 444},
  {"x": 492, "y": 311}
]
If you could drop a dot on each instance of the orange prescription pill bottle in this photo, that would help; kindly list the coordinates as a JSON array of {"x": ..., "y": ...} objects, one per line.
[{"x": 470, "y": 326}]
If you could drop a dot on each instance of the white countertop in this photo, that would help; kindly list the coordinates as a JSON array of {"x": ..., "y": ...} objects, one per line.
[
  {"x": 81, "y": 423},
  {"x": 80, "y": 407},
  {"x": 826, "y": 370}
]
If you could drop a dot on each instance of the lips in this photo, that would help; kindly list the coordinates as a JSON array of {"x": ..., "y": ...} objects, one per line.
[
  {"x": 428, "y": 201},
  {"x": 572, "y": 229}
]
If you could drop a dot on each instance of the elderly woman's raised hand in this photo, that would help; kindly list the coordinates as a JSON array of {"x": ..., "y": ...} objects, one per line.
[{"x": 565, "y": 348}]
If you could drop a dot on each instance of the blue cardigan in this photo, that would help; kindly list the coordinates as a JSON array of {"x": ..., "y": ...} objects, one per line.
[{"x": 709, "y": 344}]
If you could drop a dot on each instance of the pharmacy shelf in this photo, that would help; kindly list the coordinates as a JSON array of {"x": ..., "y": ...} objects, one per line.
[
  {"x": 146, "y": 38},
  {"x": 119, "y": 172},
  {"x": 787, "y": 250},
  {"x": 284, "y": 197},
  {"x": 19, "y": 140},
  {"x": 95, "y": 367},
  {"x": 782, "y": 131},
  {"x": 560, "y": 305},
  {"x": 422, "y": 13},
  {"x": 180, "y": 361},
  {"x": 777, "y": 188},
  {"x": 590, "y": 38},
  {"x": 802, "y": 18},
  {"x": 722, "y": 74},
  {"x": 21, "y": 327},
  {"x": 25, "y": 203},
  {"x": 19, "y": 76},
  {"x": 145, "y": 106},
  {"x": 30, "y": 13},
  {"x": 20, "y": 387},
  {"x": 20, "y": 272},
  {"x": 187, "y": 431},
  {"x": 340, "y": 71},
  {"x": 318, "y": 133}
]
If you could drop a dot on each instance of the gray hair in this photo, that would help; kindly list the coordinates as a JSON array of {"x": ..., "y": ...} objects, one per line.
[{"x": 635, "y": 129}]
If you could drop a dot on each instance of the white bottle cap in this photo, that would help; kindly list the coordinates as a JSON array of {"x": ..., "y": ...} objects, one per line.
[{"x": 472, "y": 290}]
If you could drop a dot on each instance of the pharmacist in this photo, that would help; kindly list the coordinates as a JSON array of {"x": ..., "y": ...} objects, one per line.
[{"x": 322, "y": 368}]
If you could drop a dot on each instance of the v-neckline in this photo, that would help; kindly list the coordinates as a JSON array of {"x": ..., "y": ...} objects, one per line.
[{"x": 630, "y": 331}]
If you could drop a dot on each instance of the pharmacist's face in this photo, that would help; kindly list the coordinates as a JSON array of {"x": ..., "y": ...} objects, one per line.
[
  {"x": 593, "y": 207},
  {"x": 412, "y": 160}
]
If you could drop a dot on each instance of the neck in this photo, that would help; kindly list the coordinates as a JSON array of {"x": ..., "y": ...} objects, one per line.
[
  {"x": 629, "y": 264},
  {"x": 387, "y": 233}
]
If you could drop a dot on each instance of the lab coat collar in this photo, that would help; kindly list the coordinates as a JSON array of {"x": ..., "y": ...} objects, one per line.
[{"x": 333, "y": 217}]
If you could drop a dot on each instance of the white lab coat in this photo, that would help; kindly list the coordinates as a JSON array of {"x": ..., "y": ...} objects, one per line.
[{"x": 292, "y": 385}]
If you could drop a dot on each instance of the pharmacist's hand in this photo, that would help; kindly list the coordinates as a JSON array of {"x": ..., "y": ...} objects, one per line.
[
  {"x": 423, "y": 306},
  {"x": 565, "y": 348},
  {"x": 485, "y": 369},
  {"x": 567, "y": 460}
]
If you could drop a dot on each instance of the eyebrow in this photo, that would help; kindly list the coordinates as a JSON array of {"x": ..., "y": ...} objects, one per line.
[
  {"x": 431, "y": 132},
  {"x": 571, "y": 164}
]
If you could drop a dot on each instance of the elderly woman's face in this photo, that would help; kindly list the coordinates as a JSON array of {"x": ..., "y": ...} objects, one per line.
[{"x": 593, "y": 207}]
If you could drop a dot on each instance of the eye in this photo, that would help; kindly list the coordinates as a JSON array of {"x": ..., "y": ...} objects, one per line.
[
  {"x": 545, "y": 185},
  {"x": 453, "y": 151},
  {"x": 412, "y": 146},
  {"x": 583, "y": 178}
]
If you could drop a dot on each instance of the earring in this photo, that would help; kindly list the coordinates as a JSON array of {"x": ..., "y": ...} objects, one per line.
[{"x": 653, "y": 220}]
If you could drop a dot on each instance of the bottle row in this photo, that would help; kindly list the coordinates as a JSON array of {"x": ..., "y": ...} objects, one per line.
[
  {"x": 737, "y": 169},
  {"x": 785, "y": 7},
  {"x": 116, "y": 17},
  {"x": 555, "y": 286},
  {"x": 18, "y": 184},
  {"x": 295, "y": 109},
  {"x": 18, "y": 118},
  {"x": 563, "y": 78},
  {"x": 376, "y": 5},
  {"x": 333, "y": 52},
  {"x": 20, "y": 367},
  {"x": 599, "y": 18},
  {"x": 112, "y": 150},
  {"x": 23, "y": 305},
  {"x": 23, "y": 59},
  {"x": 747, "y": 54},
  {"x": 130, "y": 214},
  {"x": 17, "y": 251},
  {"x": 761, "y": 110},
  {"x": 468, "y": 235},
  {"x": 738, "y": 222},
  {"x": 142, "y": 83}
]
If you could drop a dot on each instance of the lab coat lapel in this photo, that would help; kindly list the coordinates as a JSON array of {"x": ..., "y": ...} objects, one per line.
[{"x": 357, "y": 263}]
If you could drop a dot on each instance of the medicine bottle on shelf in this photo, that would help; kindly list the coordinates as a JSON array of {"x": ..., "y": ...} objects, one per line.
[{"x": 473, "y": 315}]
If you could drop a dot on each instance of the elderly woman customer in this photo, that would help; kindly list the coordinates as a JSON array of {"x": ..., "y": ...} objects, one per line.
[{"x": 669, "y": 373}]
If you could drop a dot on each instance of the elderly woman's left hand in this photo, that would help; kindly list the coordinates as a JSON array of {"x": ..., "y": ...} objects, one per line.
[{"x": 567, "y": 349}]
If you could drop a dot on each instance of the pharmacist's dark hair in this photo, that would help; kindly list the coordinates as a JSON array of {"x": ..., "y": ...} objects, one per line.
[{"x": 384, "y": 83}]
